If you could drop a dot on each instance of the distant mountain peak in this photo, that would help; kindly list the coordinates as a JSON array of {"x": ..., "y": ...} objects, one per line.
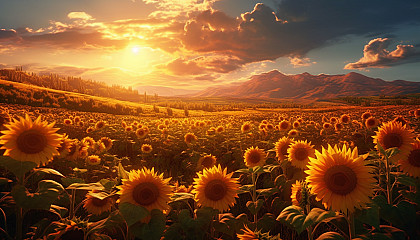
[{"x": 274, "y": 84}]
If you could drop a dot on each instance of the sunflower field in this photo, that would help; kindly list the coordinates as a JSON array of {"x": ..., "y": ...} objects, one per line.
[{"x": 333, "y": 173}]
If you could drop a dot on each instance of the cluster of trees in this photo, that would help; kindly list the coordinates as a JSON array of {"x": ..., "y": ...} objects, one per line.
[
  {"x": 382, "y": 100},
  {"x": 71, "y": 84},
  {"x": 43, "y": 98}
]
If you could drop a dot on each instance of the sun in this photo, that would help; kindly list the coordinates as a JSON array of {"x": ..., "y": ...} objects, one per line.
[{"x": 135, "y": 49}]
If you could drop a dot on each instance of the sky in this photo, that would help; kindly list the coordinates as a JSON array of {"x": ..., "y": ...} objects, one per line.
[{"x": 195, "y": 44}]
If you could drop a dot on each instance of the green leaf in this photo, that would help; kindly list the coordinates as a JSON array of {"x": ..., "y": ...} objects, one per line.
[
  {"x": 18, "y": 168},
  {"x": 101, "y": 195},
  {"x": 155, "y": 228},
  {"x": 5, "y": 181},
  {"x": 47, "y": 193},
  {"x": 246, "y": 188},
  {"x": 330, "y": 236},
  {"x": 68, "y": 181},
  {"x": 132, "y": 213},
  {"x": 369, "y": 215},
  {"x": 267, "y": 192},
  {"x": 390, "y": 152},
  {"x": 108, "y": 184},
  {"x": 48, "y": 171},
  {"x": 61, "y": 211},
  {"x": 406, "y": 180},
  {"x": 294, "y": 216},
  {"x": 315, "y": 216},
  {"x": 254, "y": 208},
  {"x": 381, "y": 150},
  {"x": 181, "y": 196},
  {"x": 122, "y": 173},
  {"x": 86, "y": 186},
  {"x": 243, "y": 170}
]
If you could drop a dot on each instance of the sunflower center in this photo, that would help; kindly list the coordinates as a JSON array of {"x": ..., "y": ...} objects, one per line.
[
  {"x": 215, "y": 190},
  {"x": 31, "y": 142},
  {"x": 99, "y": 202},
  {"x": 299, "y": 195},
  {"x": 145, "y": 193},
  {"x": 392, "y": 140},
  {"x": 284, "y": 125},
  {"x": 340, "y": 179},
  {"x": 254, "y": 157},
  {"x": 301, "y": 154},
  {"x": 414, "y": 158},
  {"x": 207, "y": 162},
  {"x": 370, "y": 122}
]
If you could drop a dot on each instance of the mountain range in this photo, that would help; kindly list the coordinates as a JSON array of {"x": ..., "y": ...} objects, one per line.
[{"x": 276, "y": 85}]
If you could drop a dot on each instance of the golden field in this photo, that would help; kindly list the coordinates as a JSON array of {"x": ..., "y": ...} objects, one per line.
[{"x": 324, "y": 173}]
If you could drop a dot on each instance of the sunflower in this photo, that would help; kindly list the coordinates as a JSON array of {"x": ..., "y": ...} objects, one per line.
[
  {"x": 107, "y": 142},
  {"x": 411, "y": 164},
  {"x": 93, "y": 160},
  {"x": 215, "y": 188},
  {"x": 270, "y": 127},
  {"x": 401, "y": 119},
  {"x": 281, "y": 147},
  {"x": 366, "y": 115},
  {"x": 81, "y": 124},
  {"x": 68, "y": 121},
  {"x": 190, "y": 138},
  {"x": 73, "y": 150},
  {"x": 284, "y": 125},
  {"x": 89, "y": 129},
  {"x": 100, "y": 125},
  {"x": 97, "y": 206},
  {"x": 246, "y": 127},
  {"x": 371, "y": 122},
  {"x": 89, "y": 142},
  {"x": 254, "y": 157},
  {"x": 146, "y": 188},
  {"x": 129, "y": 128},
  {"x": 296, "y": 193},
  {"x": 338, "y": 127},
  {"x": 326, "y": 125},
  {"x": 345, "y": 118},
  {"x": 65, "y": 144},
  {"x": 293, "y": 133},
  {"x": 27, "y": 140},
  {"x": 141, "y": 132},
  {"x": 333, "y": 120},
  {"x": 220, "y": 129},
  {"x": 206, "y": 161},
  {"x": 340, "y": 178},
  {"x": 77, "y": 119},
  {"x": 394, "y": 134},
  {"x": 247, "y": 234},
  {"x": 146, "y": 148},
  {"x": 299, "y": 153},
  {"x": 296, "y": 124},
  {"x": 417, "y": 113}
]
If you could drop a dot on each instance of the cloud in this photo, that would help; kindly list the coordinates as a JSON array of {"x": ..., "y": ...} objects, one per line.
[
  {"x": 80, "y": 15},
  {"x": 376, "y": 55},
  {"x": 300, "y": 62},
  {"x": 202, "y": 65}
]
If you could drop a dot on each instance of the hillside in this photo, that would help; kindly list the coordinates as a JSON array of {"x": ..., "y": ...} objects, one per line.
[
  {"x": 276, "y": 85},
  {"x": 72, "y": 84}
]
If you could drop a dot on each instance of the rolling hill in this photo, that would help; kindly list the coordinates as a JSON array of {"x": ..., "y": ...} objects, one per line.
[{"x": 276, "y": 85}]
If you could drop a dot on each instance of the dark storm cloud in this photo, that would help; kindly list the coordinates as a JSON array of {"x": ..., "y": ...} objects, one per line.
[{"x": 297, "y": 27}]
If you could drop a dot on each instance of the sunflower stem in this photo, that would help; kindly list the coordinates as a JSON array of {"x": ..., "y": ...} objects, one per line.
[
  {"x": 350, "y": 221},
  {"x": 388, "y": 181},
  {"x": 254, "y": 196},
  {"x": 310, "y": 228},
  {"x": 73, "y": 199}
]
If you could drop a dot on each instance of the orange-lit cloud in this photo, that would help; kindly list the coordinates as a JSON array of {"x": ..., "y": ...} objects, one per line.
[
  {"x": 376, "y": 55},
  {"x": 300, "y": 62},
  {"x": 80, "y": 15}
]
